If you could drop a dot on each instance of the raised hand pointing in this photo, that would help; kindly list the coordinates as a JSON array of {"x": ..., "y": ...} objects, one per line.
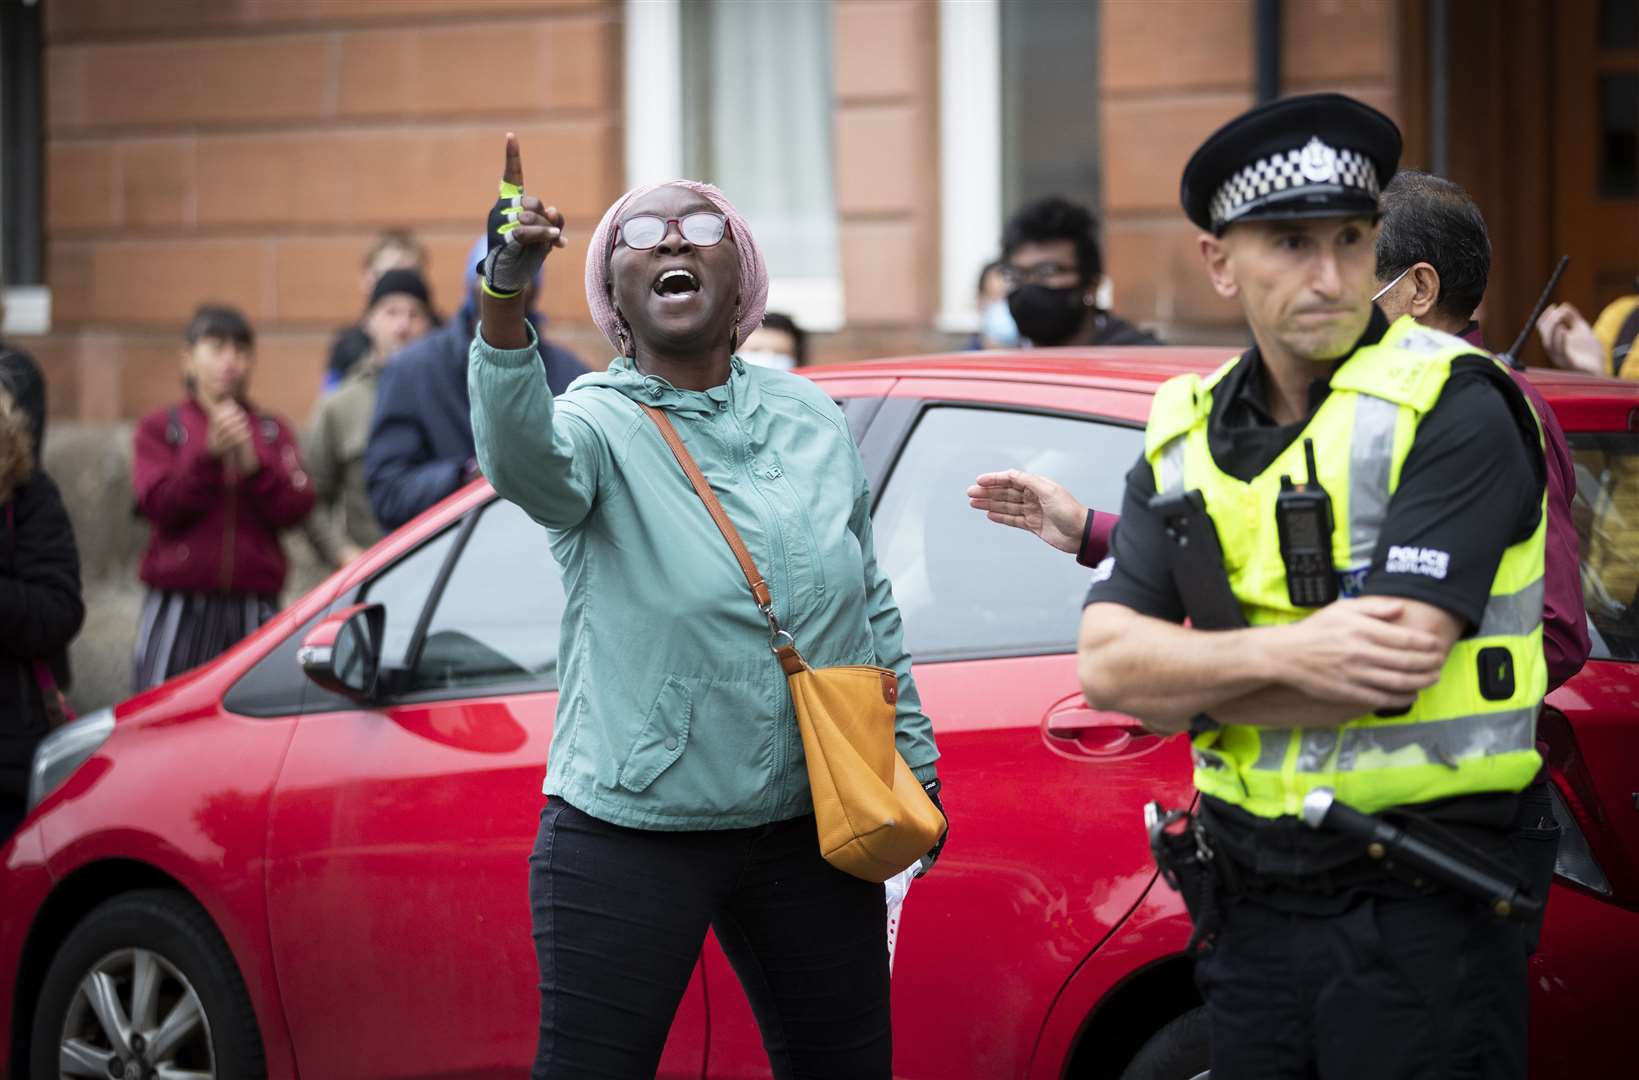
[{"x": 521, "y": 232}]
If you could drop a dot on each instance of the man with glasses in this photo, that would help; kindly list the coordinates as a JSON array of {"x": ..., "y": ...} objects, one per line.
[{"x": 1054, "y": 269}]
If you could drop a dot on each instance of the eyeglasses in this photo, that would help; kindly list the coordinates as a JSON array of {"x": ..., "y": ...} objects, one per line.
[
  {"x": 1039, "y": 274},
  {"x": 702, "y": 229}
]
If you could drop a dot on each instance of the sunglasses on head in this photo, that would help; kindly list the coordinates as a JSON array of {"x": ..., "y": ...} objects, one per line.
[{"x": 702, "y": 229}]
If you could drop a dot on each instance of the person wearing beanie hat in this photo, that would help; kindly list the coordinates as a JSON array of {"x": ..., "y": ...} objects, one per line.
[
  {"x": 343, "y": 523},
  {"x": 1376, "y": 490},
  {"x": 392, "y": 249},
  {"x": 679, "y": 797}
]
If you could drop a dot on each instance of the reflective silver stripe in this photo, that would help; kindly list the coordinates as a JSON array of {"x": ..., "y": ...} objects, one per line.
[
  {"x": 1371, "y": 460},
  {"x": 1438, "y": 742},
  {"x": 1172, "y": 466},
  {"x": 1210, "y": 759},
  {"x": 1315, "y": 748},
  {"x": 1513, "y": 614},
  {"x": 1272, "y": 744}
]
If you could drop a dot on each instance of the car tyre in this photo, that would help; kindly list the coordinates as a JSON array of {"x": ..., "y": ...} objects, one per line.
[
  {"x": 1182, "y": 1050},
  {"x": 145, "y": 985}
]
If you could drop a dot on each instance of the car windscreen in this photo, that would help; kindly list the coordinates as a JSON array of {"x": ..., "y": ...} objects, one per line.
[{"x": 1606, "y": 512}]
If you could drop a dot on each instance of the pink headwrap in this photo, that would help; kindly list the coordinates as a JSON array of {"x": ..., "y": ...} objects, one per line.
[{"x": 753, "y": 274}]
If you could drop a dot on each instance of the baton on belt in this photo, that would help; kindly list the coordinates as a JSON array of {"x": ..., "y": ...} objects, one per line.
[{"x": 1383, "y": 841}]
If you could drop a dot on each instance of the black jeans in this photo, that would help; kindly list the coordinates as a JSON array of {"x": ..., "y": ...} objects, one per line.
[
  {"x": 1391, "y": 988},
  {"x": 619, "y": 918}
]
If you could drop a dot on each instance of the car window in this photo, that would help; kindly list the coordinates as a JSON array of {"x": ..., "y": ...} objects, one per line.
[
  {"x": 403, "y": 589},
  {"x": 497, "y": 618},
  {"x": 1606, "y": 513},
  {"x": 966, "y": 586}
]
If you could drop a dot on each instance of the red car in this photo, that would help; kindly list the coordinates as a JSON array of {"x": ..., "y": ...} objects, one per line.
[{"x": 261, "y": 868}]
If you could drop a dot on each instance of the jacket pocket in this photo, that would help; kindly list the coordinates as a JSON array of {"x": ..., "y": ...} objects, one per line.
[
  {"x": 661, "y": 740},
  {"x": 797, "y": 507}
]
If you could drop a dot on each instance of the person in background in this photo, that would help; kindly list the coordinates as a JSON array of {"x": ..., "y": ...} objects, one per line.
[
  {"x": 1605, "y": 348},
  {"x": 342, "y": 524},
  {"x": 1433, "y": 263},
  {"x": 1054, "y": 267},
  {"x": 420, "y": 447},
  {"x": 217, "y": 479},
  {"x": 778, "y": 343},
  {"x": 392, "y": 249},
  {"x": 41, "y": 608},
  {"x": 997, "y": 330}
]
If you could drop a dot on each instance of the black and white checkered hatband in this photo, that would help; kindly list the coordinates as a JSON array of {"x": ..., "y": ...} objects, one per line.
[{"x": 1278, "y": 177}]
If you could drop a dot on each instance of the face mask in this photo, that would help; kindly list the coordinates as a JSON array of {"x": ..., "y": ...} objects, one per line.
[
  {"x": 996, "y": 325},
  {"x": 1390, "y": 285},
  {"x": 764, "y": 358},
  {"x": 1047, "y": 316}
]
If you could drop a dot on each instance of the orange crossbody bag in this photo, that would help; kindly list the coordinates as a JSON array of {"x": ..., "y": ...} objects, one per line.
[{"x": 874, "y": 818}]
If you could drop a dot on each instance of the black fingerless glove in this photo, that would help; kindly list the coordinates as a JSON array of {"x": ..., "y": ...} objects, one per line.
[
  {"x": 932, "y": 787},
  {"x": 508, "y": 267}
]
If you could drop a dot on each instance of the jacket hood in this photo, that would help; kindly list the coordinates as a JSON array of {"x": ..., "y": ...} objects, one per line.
[
  {"x": 623, "y": 375},
  {"x": 21, "y": 377}
]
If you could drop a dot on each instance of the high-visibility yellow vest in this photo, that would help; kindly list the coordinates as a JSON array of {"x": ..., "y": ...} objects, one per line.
[{"x": 1455, "y": 740}]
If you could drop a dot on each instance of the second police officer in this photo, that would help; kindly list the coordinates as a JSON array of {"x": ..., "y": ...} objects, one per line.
[{"x": 1376, "y": 491}]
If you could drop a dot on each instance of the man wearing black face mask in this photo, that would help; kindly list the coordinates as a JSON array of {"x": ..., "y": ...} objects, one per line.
[{"x": 1053, "y": 267}]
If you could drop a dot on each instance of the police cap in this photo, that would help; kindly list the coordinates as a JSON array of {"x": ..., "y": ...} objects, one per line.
[{"x": 1315, "y": 155}]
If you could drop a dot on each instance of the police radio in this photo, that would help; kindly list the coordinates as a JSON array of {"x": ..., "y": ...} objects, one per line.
[{"x": 1303, "y": 514}]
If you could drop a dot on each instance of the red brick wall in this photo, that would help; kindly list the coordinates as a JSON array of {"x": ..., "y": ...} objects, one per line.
[
  {"x": 887, "y": 167},
  {"x": 1171, "y": 72},
  {"x": 248, "y": 150}
]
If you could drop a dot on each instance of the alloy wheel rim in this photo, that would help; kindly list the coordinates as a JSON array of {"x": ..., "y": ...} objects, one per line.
[{"x": 134, "y": 1016}]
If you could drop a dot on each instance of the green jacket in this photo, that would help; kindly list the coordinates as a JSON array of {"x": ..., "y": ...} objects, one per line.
[{"x": 674, "y": 714}]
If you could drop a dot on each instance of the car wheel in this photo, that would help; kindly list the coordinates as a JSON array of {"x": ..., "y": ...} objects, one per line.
[
  {"x": 144, "y": 988},
  {"x": 1181, "y": 1050}
]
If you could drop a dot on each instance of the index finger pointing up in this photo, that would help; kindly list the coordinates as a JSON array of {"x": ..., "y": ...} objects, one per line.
[{"x": 514, "y": 173}]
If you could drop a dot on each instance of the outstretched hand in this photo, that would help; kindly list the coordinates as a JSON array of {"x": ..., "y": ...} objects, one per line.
[
  {"x": 1033, "y": 503},
  {"x": 521, "y": 231},
  {"x": 1570, "y": 342}
]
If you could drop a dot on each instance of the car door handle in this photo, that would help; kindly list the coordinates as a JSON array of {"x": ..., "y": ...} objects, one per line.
[
  {"x": 1073, "y": 722},
  {"x": 1096, "y": 731}
]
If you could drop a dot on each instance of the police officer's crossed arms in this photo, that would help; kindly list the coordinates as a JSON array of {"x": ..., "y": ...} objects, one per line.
[{"x": 1412, "y": 694}]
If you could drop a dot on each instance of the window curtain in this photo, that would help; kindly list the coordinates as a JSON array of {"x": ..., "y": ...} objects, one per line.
[{"x": 757, "y": 123}]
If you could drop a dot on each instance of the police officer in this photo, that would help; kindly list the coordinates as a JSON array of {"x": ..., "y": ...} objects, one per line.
[{"x": 1403, "y": 668}]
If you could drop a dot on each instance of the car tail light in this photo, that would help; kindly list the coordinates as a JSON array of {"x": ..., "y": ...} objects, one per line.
[
  {"x": 1575, "y": 862},
  {"x": 1590, "y": 847}
]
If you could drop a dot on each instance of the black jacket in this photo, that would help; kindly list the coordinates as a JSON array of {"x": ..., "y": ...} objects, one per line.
[
  {"x": 1114, "y": 330},
  {"x": 40, "y": 604}
]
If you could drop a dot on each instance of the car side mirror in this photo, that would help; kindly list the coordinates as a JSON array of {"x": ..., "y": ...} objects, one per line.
[{"x": 343, "y": 653}]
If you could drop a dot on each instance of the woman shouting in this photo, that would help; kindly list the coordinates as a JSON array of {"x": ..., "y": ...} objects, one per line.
[{"x": 678, "y": 792}]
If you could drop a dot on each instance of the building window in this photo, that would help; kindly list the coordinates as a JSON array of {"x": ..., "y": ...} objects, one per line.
[
  {"x": 1018, "y": 104},
  {"x": 740, "y": 95},
  {"x": 1049, "y": 103},
  {"x": 22, "y": 260},
  {"x": 1619, "y": 136}
]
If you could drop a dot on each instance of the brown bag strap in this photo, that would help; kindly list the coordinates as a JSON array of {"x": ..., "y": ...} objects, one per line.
[
  {"x": 742, "y": 554},
  {"x": 791, "y": 661}
]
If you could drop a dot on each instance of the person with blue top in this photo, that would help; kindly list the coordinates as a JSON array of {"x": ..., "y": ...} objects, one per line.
[
  {"x": 679, "y": 796},
  {"x": 420, "y": 445}
]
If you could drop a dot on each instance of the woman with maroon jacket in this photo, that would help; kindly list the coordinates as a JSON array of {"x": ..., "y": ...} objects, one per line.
[{"x": 217, "y": 480}]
